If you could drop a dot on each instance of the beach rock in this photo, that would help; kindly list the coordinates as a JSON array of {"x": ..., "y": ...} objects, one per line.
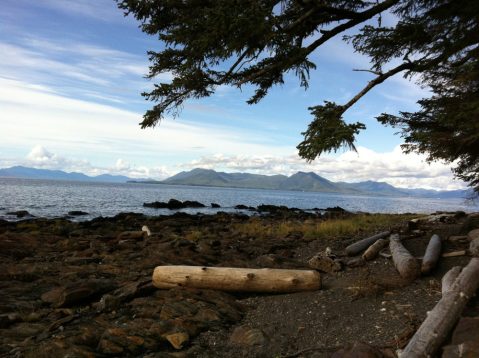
[
  {"x": 247, "y": 337},
  {"x": 174, "y": 204},
  {"x": 77, "y": 213},
  {"x": 358, "y": 350},
  {"x": 324, "y": 263},
  {"x": 177, "y": 339},
  {"x": 7, "y": 319},
  {"x": 20, "y": 214},
  {"x": 116, "y": 341},
  {"x": 80, "y": 293},
  {"x": 132, "y": 235}
]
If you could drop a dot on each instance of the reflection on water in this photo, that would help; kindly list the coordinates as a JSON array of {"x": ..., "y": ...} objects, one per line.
[{"x": 47, "y": 198}]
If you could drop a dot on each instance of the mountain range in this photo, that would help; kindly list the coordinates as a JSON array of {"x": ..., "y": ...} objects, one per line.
[
  {"x": 33, "y": 173},
  {"x": 300, "y": 181}
]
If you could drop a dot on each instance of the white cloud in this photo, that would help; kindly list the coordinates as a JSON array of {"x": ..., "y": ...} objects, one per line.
[{"x": 393, "y": 167}]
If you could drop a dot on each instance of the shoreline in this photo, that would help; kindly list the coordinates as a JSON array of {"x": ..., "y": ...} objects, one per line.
[{"x": 85, "y": 288}]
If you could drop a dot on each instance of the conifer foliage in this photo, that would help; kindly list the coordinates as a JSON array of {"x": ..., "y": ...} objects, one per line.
[{"x": 208, "y": 43}]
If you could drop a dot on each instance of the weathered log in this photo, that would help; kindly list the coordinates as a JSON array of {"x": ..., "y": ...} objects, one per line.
[
  {"x": 474, "y": 247},
  {"x": 439, "y": 322},
  {"x": 374, "y": 249},
  {"x": 432, "y": 254},
  {"x": 405, "y": 263},
  {"x": 449, "y": 278},
  {"x": 236, "y": 279},
  {"x": 361, "y": 245},
  {"x": 454, "y": 253}
]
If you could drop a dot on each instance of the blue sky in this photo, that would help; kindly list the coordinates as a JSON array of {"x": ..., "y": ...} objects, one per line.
[{"x": 71, "y": 74}]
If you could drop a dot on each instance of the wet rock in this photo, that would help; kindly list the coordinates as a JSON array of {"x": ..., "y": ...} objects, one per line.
[
  {"x": 116, "y": 341},
  {"x": 214, "y": 205},
  {"x": 356, "y": 262},
  {"x": 174, "y": 204},
  {"x": 7, "y": 319},
  {"x": 132, "y": 235},
  {"x": 247, "y": 337},
  {"x": 125, "y": 293},
  {"x": 358, "y": 350},
  {"x": 244, "y": 207},
  {"x": 20, "y": 214},
  {"x": 177, "y": 339},
  {"x": 77, "y": 213},
  {"x": 80, "y": 293},
  {"x": 82, "y": 260}
]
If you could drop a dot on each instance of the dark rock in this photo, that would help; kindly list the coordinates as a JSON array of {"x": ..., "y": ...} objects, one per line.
[
  {"x": 214, "y": 205},
  {"x": 336, "y": 209},
  {"x": 466, "y": 330},
  {"x": 174, "y": 204},
  {"x": 116, "y": 341},
  {"x": 82, "y": 260},
  {"x": 358, "y": 350},
  {"x": 7, "y": 319},
  {"x": 241, "y": 207},
  {"x": 77, "y": 213},
  {"x": 80, "y": 293},
  {"x": 20, "y": 213},
  {"x": 132, "y": 235},
  {"x": 356, "y": 262}
]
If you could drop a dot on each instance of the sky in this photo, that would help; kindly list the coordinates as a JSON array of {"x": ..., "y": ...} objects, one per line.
[{"x": 71, "y": 75}]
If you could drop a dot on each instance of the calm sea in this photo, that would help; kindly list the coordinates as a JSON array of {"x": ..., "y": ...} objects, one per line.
[{"x": 47, "y": 198}]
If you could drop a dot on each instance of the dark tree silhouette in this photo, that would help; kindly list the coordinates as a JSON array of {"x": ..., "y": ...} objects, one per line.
[{"x": 208, "y": 43}]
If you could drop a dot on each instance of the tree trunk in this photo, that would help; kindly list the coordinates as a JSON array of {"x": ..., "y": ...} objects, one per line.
[
  {"x": 358, "y": 247},
  {"x": 449, "y": 278},
  {"x": 236, "y": 279},
  {"x": 432, "y": 254},
  {"x": 405, "y": 263},
  {"x": 439, "y": 322},
  {"x": 374, "y": 249}
]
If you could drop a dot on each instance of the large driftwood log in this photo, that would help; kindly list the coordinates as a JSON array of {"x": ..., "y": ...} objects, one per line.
[
  {"x": 374, "y": 249},
  {"x": 439, "y": 322},
  {"x": 361, "y": 245},
  {"x": 405, "y": 263},
  {"x": 236, "y": 279},
  {"x": 432, "y": 254},
  {"x": 449, "y": 278}
]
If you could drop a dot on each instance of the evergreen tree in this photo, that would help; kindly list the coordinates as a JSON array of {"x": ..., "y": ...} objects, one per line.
[{"x": 236, "y": 42}]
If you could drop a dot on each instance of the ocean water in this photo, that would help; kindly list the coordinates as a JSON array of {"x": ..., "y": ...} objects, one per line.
[{"x": 48, "y": 198}]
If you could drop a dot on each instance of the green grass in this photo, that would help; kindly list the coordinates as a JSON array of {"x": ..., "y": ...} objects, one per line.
[{"x": 317, "y": 229}]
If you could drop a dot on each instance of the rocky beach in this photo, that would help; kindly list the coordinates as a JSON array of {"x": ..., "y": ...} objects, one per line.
[{"x": 84, "y": 289}]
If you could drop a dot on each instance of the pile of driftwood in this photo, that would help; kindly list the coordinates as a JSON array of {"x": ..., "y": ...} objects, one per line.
[{"x": 458, "y": 284}]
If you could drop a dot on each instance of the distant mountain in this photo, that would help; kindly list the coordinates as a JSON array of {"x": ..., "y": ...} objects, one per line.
[
  {"x": 301, "y": 181},
  {"x": 33, "y": 173}
]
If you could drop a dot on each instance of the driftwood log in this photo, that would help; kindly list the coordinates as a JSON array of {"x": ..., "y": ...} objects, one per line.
[
  {"x": 236, "y": 279},
  {"x": 439, "y": 322},
  {"x": 432, "y": 254},
  {"x": 405, "y": 263},
  {"x": 374, "y": 249},
  {"x": 449, "y": 278},
  {"x": 361, "y": 245}
]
